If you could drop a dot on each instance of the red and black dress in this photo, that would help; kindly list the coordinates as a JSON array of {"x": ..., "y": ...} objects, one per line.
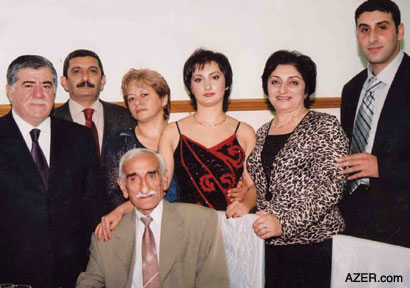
[{"x": 204, "y": 175}]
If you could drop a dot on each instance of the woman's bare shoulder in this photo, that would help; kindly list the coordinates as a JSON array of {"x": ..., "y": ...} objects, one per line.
[
  {"x": 245, "y": 130},
  {"x": 245, "y": 133},
  {"x": 170, "y": 130}
]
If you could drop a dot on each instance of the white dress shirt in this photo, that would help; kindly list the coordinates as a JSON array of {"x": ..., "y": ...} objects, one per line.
[
  {"x": 44, "y": 139},
  {"x": 386, "y": 76},
  {"x": 155, "y": 226},
  {"x": 77, "y": 114}
]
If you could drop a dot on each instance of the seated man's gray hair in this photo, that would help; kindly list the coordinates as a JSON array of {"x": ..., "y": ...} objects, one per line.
[{"x": 139, "y": 151}]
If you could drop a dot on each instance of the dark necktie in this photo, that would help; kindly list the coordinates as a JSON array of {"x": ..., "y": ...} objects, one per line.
[
  {"x": 39, "y": 157},
  {"x": 363, "y": 123},
  {"x": 150, "y": 276},
  {"x": 88, "y": 113}
]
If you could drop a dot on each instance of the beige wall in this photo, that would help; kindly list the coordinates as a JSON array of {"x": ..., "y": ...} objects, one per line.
[{"x": 161, "y": 34}]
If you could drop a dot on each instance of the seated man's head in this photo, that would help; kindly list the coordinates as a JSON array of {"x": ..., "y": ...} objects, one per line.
[
  {"x": 142, "y": 178},
  {"x": 83, "y": 76}
]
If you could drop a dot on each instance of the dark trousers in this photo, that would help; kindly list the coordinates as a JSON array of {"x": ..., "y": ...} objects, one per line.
[
  {"x": 357, "y": 210},
  {"x": 378, "y": 214},
  {"x": 299, "y": 265}
]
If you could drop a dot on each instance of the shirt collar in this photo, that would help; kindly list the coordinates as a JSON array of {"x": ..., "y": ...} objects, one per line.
[
  {"x": 76, "y": 108},
  {"x": 156, "y": 213},
  {"x": 26, "y": 127},
  {"x": 389, "y": 72}
]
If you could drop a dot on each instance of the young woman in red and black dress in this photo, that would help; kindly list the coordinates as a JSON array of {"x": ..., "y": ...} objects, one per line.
[{"x": 206, "y": 151}]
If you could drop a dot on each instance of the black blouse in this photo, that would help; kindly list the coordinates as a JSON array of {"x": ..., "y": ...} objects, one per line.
[{"x": 273, "y": 144}]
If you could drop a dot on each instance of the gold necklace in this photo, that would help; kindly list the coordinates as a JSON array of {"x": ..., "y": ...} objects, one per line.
[
  {"x": 207, "y": 124},
  {"x": 275, "y": 124}
]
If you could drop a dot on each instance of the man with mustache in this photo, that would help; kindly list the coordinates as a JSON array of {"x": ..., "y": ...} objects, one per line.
[
  {"x": 159, "y": 244},
  {"x": 49, "y": 183},
  {"x": 375, "y": 115},
  {"x": 83, "y": 78}
]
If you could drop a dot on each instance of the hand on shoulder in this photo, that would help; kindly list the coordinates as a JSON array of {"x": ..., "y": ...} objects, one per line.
[{"x": 361, "y": 165}]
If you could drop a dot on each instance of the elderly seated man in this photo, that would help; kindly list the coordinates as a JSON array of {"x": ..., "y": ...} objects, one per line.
[{"x": 159, "y": 244}]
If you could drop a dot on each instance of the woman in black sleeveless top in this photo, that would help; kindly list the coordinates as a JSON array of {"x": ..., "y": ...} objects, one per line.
[{"x": 206, "y": 151}]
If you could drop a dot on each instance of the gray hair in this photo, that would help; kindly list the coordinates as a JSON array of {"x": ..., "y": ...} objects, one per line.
[
  {"x": 29, "y": 61},
  {"x": 140, "y": 151}
]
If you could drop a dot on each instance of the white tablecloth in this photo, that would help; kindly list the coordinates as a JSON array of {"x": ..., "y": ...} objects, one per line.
[
  {"x": 245, "y": 252},
  {"x": 368, "y": 262}
]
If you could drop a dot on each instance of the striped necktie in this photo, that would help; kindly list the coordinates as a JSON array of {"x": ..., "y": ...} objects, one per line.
[{"x": 363, "y": 123}]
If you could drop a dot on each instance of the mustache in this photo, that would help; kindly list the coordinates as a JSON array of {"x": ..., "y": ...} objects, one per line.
[
  {"x": 37, "y": 101},
  {"x": 145, "y": 195},
  {"x": 85, "y": 84}
]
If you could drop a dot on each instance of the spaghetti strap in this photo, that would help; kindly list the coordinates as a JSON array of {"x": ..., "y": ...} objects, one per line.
[
  {"x": 237, "y": 127},
  {"x": 179, "y": 131}
]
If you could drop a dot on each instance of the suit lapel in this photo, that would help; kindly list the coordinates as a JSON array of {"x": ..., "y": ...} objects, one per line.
[
  {"x": 124, "y": 245},
  {"x": 55, "y": 148},
  {"x": 107, "y": 119},
  {"x": 14, "y": 149},
  {"x": 396, "y": 98},
  {"x": 64, "y": 112},
  {"x": 172, "y": 231},
  {"x": 59, "y": 155}
]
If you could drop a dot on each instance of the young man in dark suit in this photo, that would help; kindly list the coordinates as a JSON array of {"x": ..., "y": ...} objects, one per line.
[
  {"x": 50, "y": 194},
  {"x": 83, "y": 78},
  {"x": 375, "y": 115}
]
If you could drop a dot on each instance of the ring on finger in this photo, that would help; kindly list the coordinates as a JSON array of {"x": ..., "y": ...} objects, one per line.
[{"x": 264, "y": 227}]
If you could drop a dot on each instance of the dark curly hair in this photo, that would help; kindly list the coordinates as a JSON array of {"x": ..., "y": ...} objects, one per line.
[
  {"x": 305, "y": 66},
  {"x": 198, "y": 59}
]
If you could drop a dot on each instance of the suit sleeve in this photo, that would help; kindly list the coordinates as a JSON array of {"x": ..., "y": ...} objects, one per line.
[
  {"x": 94, "y": 275},
  {"x": 212, "y": 270},
  {"x": 350, "y": 97},
  {"x": 324, "y": 184},
  {"x": 393, "y": 158}
]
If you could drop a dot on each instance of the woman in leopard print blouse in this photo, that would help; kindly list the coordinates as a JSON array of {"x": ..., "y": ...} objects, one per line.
[{"x": 298, "y": 183}]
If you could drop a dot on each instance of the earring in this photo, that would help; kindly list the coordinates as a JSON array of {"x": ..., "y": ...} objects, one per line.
[{"x": 227, "y": 88}]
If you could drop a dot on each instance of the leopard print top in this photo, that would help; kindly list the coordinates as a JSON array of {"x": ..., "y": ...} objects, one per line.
[{"x": 305, "y": 182}]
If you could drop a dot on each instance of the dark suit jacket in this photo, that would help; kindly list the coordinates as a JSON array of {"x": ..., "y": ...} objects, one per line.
[
  {"x": 44, "y": 234},
  {"x": 191, "y": 251},
  {"x": 383, "y": 213},
  {"x": 115, "y": 118}
]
